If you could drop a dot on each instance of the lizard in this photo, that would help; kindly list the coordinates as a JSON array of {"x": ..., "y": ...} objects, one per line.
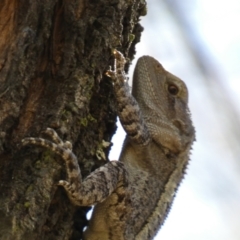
[{"x": 133, "y": 196}]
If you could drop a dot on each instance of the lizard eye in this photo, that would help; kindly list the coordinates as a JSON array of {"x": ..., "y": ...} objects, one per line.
[{"x": 173, "y": 89}]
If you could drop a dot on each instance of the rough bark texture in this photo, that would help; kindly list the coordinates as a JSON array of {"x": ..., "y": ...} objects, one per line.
[{"x": 53, "y": 55}]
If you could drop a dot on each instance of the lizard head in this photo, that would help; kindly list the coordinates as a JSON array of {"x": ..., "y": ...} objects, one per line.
[{"x": 163, "y": 100}]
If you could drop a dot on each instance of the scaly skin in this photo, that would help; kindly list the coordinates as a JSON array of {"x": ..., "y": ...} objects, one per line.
[{"x": 133, "y": 195}]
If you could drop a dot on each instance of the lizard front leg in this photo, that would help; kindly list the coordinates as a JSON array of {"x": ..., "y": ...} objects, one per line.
[
  {"x": 96, "y": 187},
  {"x": 127, "y": 107}
]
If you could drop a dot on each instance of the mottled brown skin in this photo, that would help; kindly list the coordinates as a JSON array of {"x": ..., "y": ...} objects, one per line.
[{"x": 133, "y": 195}]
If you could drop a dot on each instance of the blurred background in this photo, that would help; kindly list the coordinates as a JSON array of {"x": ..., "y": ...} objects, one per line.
[{"x": 199, "y": 41}]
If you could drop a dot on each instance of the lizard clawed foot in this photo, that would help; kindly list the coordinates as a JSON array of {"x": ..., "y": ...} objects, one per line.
[
  {"x": 118, "y": 67},
  {"x": 64, "y": 150},
  {"x": 52, "y": 134},
  {"x": 67, "y": 186},
  {"x": 55, "y": 143}
]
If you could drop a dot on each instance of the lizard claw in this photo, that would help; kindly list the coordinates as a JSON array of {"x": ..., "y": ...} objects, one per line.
[
  {"x": 52, "y": 134},
  {"x": 118, "y": 67},
  {"x": 64, "y": 184}
]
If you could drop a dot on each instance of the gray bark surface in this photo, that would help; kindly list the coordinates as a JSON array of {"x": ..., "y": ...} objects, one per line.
[{"x": 53, "y": 56}]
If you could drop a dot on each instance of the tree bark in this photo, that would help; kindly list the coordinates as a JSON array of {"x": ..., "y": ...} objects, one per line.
[{"x": 53, "y": 55}]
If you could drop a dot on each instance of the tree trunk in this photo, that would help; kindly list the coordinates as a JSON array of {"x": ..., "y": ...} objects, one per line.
[{"x": 53, "y": 55}]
